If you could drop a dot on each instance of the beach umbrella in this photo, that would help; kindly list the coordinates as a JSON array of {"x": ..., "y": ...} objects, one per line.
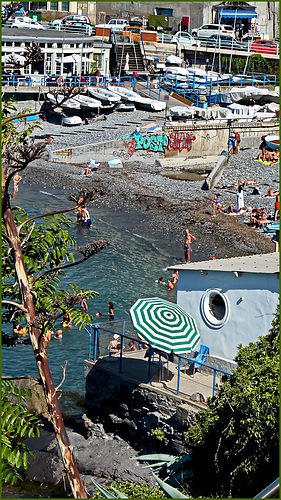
[{"x": 166, "y": 326}]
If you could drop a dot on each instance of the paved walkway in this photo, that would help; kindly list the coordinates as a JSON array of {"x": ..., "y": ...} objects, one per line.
[{"x": 135, "y": 367}]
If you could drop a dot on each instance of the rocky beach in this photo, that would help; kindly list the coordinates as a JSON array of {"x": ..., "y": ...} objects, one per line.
[{"x": 163, "y": 207}]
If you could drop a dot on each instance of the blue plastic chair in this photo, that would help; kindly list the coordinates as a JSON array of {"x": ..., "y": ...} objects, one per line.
[{"x": 201, "y": 356}]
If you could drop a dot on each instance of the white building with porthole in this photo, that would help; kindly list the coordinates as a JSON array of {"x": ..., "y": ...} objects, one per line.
[
  {"x": 232, "y": 300},
  {"x": 57, "y": 48}
]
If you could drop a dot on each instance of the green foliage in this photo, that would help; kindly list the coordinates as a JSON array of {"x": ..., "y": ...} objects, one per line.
[
  {"x": 132, "y": 490},
  {"x": 236, "y": 439},
  {"x": 256, "y": 64},
  {"x": 46, "y": 246},
  {"x": 17, "y": 423},
  {"x": 158, "y": 433}
]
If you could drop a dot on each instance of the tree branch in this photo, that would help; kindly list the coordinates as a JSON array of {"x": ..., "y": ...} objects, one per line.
[
  {"x": 19, "y": 306},
  {"x": 63, "y": 376}
]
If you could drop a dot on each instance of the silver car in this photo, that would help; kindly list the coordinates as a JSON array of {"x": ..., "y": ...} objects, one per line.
[{"x": 184, "y": 38}]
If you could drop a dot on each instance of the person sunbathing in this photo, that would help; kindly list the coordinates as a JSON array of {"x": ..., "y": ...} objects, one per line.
[
  {"x": 274, "y": 157},
  {"x": 246, "y": 182},
  {"x": 271, "y": 193},
  {"x": 87, "y": 171}
]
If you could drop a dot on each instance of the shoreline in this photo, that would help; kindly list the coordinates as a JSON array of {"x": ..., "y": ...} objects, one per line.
[{"x": 162, "y": 208}]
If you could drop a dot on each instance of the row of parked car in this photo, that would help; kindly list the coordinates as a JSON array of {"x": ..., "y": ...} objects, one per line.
[
  {"x": 207, "y": 35},
  {"x": 225, "y": 42}
]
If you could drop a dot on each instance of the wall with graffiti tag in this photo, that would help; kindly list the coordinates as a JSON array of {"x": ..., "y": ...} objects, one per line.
[{"x": 158, "y": 143}]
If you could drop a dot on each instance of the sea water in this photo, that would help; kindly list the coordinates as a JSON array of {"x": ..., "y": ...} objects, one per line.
[{"x": 122, "y": 273}]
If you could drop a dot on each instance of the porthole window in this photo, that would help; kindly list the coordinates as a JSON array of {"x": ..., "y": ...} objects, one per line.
[{"x": 214, "y": 308}]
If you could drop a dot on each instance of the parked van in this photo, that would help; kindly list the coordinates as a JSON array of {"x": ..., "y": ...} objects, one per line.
[
  {"x": 208, "y": 30},
  {"x": 132, "y": 34}
]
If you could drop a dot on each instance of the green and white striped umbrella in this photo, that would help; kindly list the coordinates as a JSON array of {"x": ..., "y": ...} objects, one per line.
[{"x": 164, "y": 325}]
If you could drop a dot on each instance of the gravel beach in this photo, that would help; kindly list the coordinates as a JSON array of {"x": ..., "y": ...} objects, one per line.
[{"x": 162, "y": 207}]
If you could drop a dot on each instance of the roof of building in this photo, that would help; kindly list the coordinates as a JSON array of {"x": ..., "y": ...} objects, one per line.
[
  {"x": 48, "y": 35},
  {"x": 262, "y": 263}
]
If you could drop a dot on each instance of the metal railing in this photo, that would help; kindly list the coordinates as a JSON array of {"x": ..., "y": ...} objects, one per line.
[{"x": 95, "y": 329}]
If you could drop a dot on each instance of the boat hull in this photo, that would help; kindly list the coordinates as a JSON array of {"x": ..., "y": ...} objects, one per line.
[{"x": 272, "y": 141}]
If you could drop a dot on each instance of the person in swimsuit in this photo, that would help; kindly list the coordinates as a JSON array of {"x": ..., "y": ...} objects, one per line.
[
  {"x": 111, "y": 310},
  {"x": 189, "y": 238},
  {"x": 86, "y": 217},
  {"x": 237, "y": 141},
  {"x": 83, "y": 305},
  {"x": 216, "y": 204},
  {"x": 17, "y": 179},
  {"x": 114, "y": 345}
]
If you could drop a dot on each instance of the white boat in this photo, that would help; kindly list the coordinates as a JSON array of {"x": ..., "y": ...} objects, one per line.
[
  {"x": 122, "y": 106},
  {"x": 181, "y": 112},
  {"x": 126, "y": 95},
  {"x": 139, "y": 101},
  {"x": 88, "y": 103},
  {"x": 71, "y": 120},
  {"x": 272, "y": 141},
  {"x": 104, "y": 95},
  {"x": 68, "y": 104}
]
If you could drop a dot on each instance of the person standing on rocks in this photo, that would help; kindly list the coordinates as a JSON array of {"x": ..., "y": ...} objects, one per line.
[{"x": 189, "y": 238}]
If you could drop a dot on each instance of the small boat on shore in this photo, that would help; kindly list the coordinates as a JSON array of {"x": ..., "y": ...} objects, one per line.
[
  {"x": 88, "y": 103},
  {"x": 104, "y": 95},
  {"x": 69, "y": 104},
  {"x": 125, "y": 107},
  {"x": 125, "y": 94},
  {"x": 272, "y": 141},
  {"x": 139, "y": 101},
  {"x": 71, "y": 120}
]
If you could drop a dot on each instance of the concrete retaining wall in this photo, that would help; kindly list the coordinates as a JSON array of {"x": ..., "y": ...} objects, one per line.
[
  {"x": 212, "y": 139},
  {"x": 82, "y": 154}
]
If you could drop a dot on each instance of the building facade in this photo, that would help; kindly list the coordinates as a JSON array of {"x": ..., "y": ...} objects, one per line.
[
  {"x": 51, "y": 10},
  {"x": 195, "y": 13},
  {"x": 57, "y": 48},
  {"x": 233, "y": 301}
]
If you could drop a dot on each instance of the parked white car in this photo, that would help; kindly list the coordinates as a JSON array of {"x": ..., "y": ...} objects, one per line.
[
  {"x": 208, "y": 30},
  {"x": 26, "y": 22},
  {"x": 185, "y": 38},
  {"x": 68, "y": 20},
  {"x": 116, "y": 24}
]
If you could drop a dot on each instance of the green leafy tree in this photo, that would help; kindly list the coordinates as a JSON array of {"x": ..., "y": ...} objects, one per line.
[
  {"x": 16, "y": 423},
  {"x": 235, "y": 442},
  {"x": 35, "y": 257}
]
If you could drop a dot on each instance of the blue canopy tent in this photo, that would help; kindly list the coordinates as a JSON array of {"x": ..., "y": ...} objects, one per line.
[{"x": 237, "y": 13}]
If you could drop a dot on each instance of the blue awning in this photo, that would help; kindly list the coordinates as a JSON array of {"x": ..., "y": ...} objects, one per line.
[{"x": 237, "y": 13}]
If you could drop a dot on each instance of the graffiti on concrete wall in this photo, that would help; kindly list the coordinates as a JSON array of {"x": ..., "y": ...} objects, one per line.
[
  {"x": 181, "y": 140},
  {"x": 158, "y": 143}
]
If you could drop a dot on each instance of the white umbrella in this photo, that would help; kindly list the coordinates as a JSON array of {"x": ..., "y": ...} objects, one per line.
[{"x": 18, "y": 58}]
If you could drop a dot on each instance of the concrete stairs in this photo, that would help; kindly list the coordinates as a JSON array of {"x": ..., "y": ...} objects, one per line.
[{"x": 136, "y": 60}]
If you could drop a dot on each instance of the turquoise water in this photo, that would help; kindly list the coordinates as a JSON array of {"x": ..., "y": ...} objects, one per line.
[{"x": 121, "y": 273}]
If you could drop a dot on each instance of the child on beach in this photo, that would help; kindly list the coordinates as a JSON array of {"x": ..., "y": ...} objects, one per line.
[
  {"x": 17, "y": 179},
  {"x": 216, "y": 204}
]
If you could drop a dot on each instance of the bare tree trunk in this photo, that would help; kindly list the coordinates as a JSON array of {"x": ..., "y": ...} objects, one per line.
[{"x": 36, "y": 337}]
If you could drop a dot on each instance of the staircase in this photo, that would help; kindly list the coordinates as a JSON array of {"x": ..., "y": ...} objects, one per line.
[{"x": 135, "y": 62}]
